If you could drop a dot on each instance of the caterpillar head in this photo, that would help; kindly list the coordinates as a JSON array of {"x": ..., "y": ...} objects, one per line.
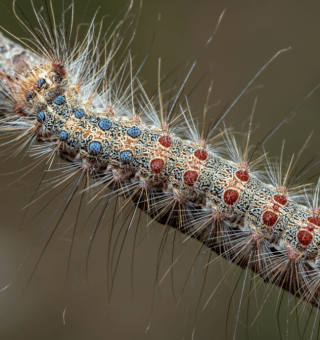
[{"x": 40, "y": 79}]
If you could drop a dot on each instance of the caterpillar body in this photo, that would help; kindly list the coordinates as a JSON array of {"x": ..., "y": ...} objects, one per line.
[{"x": 129, "y": 145}]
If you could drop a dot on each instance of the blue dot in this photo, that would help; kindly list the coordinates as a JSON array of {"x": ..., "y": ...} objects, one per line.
[
  {"x": 41, "y": 117},
  {"x": 79, "y": 113},
  {"x": 105, "y": 124},
  {"x": 63, "y": 136},
  {"x": 134, "y": 132},
  {"x": 94, "y": 148},
  {"x": 59, "y": 100},
  {"x": 126, "y": 157}
]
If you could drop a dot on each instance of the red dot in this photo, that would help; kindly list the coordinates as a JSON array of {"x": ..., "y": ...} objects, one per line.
[
  {"x": 231, "y": 196},
  {"x": 269, "y": 218},
  {"x": 281, "y": 199},
  {"x": 165, "y": 141},
  {"x": 242, "y": 175},
  {"x": 315, "y": 220},
  {"x": 190, "y": 177},
  {"x": 157, "y": 165},
  {"x": 304, "y": 238},
  {"x": 201, "y": 154}
]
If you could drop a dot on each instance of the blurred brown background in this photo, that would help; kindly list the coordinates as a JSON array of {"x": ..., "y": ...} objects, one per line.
[{"x": 251, "y": 32}]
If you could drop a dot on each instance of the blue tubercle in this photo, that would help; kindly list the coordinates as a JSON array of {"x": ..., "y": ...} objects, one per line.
[
  {"x": 126, "y": 157},
  {"x": 105, "y": 124},
  {"x": 79, "y": 113},
  {"x": 59, "y": 100},
  {"x": 94, "y": 148},
  {"x": 134, "y": 132},
  {"x": 63, "y": 136},
  {"x": 41, "y": 117}
]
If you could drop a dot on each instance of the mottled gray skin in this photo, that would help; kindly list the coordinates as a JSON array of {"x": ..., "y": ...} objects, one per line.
[{"x": 241, "y": 221}]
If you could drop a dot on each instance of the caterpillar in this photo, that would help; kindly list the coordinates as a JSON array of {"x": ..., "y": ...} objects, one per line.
[{"x": 60, "y": 85}]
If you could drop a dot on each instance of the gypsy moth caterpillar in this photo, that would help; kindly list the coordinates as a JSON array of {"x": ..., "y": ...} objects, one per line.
[{"x": 229, "y": 79}]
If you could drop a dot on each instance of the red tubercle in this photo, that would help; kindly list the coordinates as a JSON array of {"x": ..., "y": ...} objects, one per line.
[
  {"x": 243, "y": 175},
  {"x": 230, "y": 196},
  {"x": 304, "y": 238},
  {"x": 201, "y": 154},
  {"x": 165, "y": 141},
  {"x": 269, "y": 218},
  {"x": 281, "y": 199},
  {"x": 314, "y": 220},
  {"x": 157, "y": 165},
  {"x": 60, "y": 68},
  {"x": 190, "y": 177}
]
